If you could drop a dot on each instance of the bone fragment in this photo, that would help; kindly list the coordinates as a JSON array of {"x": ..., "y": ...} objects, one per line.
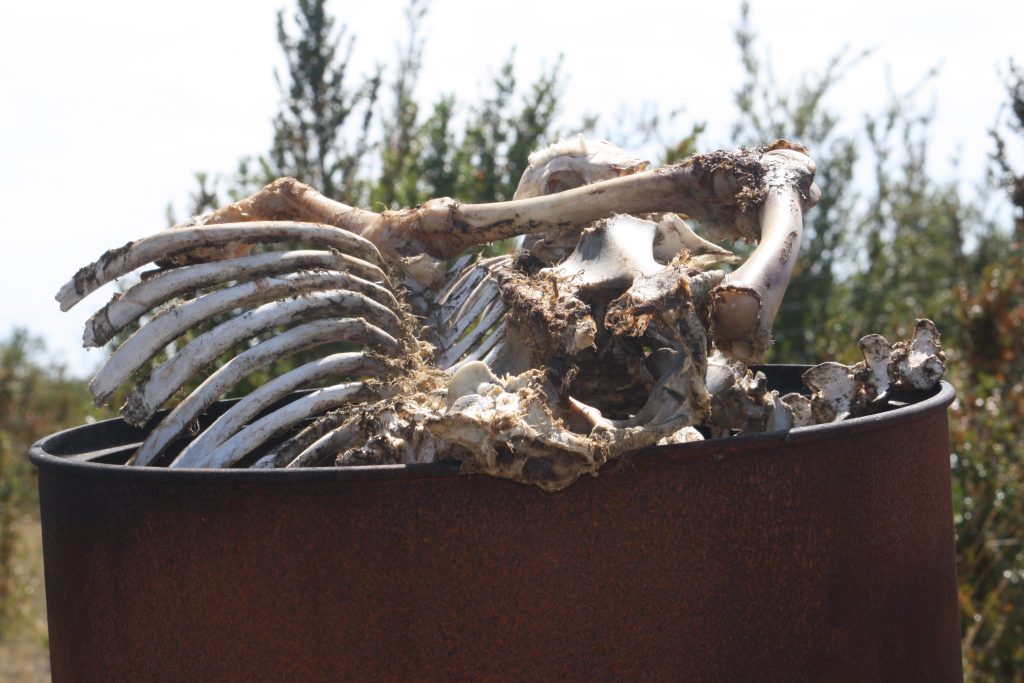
[
  {"x": 397, "y": 433},
  {"x": 684, "y": 435},
  {"x": 873, "y": 373},
  {"x": 742, "y": 402},
  {"x": 918, "y": 363},
  {"x": 472, "y": 378},
  {"x": 842, "y": 391},
  {"x": 835, "y": 391}
]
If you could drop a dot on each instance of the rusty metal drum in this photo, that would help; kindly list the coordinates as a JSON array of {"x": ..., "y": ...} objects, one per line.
[{"x": 821, "y": 554}]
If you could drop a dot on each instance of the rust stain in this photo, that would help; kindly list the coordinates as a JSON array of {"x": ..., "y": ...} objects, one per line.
[{"x": 825, "y": 554}]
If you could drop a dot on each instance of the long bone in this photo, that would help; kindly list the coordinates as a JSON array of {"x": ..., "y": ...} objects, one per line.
[
  {"x": 746, "y": 304},
  {"x": 722, "y": 190},
  {"x": 572, "y": 163},
  {"x": 127, "y": 307}
]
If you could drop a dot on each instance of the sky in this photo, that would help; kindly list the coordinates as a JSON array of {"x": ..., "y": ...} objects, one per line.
[{"x": 108, "y": 108}]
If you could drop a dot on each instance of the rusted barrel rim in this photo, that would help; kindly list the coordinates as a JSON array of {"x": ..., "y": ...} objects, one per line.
[{"x": 42, "y": 458}]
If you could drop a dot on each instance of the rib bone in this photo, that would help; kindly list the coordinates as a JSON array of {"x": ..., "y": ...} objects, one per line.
[
  {"x": 174, "y": 322},
  {"x": 228, "y": 375},
  {"x": 204, "y": 349},
  {"x": 336, "y": 365},
  {"x": 257, "y": 433},
  {"x": 327, "y": 446},
  {"x": 162, "y": 245},
  {"x": 126, "y": 308}
]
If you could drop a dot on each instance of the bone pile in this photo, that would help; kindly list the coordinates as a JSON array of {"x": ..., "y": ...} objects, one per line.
[{"x": 613, "y": 327}]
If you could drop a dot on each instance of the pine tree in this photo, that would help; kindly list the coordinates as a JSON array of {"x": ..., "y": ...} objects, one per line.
[{"x": 320, "y": 109}]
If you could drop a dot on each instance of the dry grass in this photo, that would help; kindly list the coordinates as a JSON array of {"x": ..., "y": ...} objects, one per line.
[{"x": 24, "y": 651}]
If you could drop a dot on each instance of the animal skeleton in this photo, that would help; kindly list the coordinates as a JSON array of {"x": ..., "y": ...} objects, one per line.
[{"x": 607, "y": 332}]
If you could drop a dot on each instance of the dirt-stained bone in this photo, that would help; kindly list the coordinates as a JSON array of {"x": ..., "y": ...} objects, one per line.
[
  {"x": 607, "y": 332},
  {"x": 574, "y": 162},
  {"x": 840, "y": 391}
]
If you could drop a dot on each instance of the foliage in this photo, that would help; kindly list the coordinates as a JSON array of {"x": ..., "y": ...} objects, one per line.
[
  {"x": 902, "y": 238},
  {"x": 988, "y": 472},
  {"x": 887, "y": 242},
  {"x": 319, "y": 105},
  {"x": 35, "y": 400},
  {"x": 343, "y": 137},
  {"x": 766, "y": 112},
  {"x": 987, "y": 433}
]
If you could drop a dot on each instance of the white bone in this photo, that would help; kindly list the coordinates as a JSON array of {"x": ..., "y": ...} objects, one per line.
[
  {"x": 127, "y": 307},
  {"x": 228, "y": 424},
  {"x": 918, "y": 363},
  {"x": 242, "y": 365},
  {"x": 175, "y": 321},
  {"x": 571, "y": 163},
  {"x": 835, "y": 391},
  {"x": 263, "y": 429},
  {"x": 204, "y": 349},
  {"x": 674, "y": 235},
  {"x": 876, "y": 351},
  {"x": 488, "y": 318},
  {"x": 308, "y": 435},
  {"x": 329, "y": 444},
  {"x": 118, "y": 262}
]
